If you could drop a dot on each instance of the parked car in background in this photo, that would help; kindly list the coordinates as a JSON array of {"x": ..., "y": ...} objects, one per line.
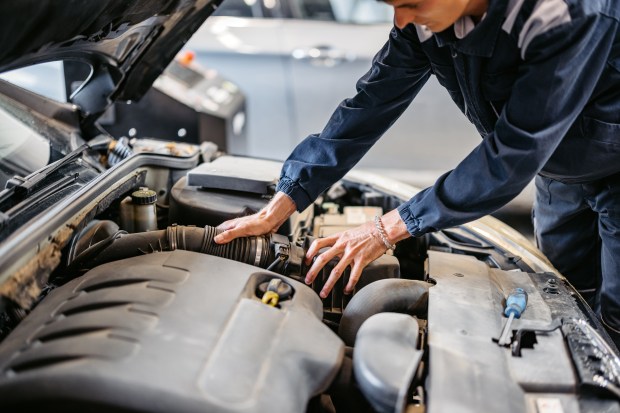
[
  {"x": 297, "y": 59},
  {"x": 114, "y": 297}
]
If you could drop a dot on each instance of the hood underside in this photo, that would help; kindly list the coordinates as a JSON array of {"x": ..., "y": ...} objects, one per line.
[{"x": 127, "y": 43}]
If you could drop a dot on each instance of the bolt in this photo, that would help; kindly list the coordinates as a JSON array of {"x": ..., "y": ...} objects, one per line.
[{"x": 551, "y": 290}]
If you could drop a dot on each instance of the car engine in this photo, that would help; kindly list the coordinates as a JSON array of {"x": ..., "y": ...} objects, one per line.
[{"x": 129, "y": 306}]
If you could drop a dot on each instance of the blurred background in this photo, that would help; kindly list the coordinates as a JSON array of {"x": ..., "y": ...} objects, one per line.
[{"x": 297, "y": 59}]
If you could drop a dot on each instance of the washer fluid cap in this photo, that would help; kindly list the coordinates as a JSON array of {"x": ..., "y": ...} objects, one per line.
[{"x": 144, "y": 196}]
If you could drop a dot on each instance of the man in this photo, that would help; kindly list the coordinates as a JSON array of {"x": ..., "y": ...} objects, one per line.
[{"x": 540, "y": 80}]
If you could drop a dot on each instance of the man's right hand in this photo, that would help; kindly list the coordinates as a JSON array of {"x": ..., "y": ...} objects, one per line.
[{"x": 266, "y": 221}]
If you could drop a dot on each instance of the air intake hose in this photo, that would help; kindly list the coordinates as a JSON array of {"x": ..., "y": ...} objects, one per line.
[
  {"x": 257, "y": 251},
  {"x": 390, "y": 295}
]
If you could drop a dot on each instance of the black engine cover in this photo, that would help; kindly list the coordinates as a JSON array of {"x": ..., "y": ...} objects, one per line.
[{"x": 169, "y": 332}]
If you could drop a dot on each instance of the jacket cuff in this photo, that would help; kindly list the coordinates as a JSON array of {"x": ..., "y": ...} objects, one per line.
[
  {"x": 294, "y": 191},
  {"x": 412, "y": 223}
]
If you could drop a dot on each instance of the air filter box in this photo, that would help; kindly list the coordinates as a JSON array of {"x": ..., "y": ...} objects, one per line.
[{"x": 229, "y": 187}]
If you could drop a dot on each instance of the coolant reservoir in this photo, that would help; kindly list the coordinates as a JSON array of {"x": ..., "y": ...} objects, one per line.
[{"x": 138, "y": 212}]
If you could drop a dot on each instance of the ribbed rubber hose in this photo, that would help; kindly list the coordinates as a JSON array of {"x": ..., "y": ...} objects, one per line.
[{"x": 250, "y": 250}]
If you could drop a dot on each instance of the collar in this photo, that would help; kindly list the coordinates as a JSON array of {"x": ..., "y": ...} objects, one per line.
[
  {"x": 478, "y": 40},
  {"x": 464, "y": 26}
]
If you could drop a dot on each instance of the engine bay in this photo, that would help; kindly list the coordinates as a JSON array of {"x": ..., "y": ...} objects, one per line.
[{"x": 139, "y": 310}]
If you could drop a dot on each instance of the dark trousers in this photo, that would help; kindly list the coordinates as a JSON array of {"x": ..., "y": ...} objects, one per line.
[{"x": 577, "y": 227}]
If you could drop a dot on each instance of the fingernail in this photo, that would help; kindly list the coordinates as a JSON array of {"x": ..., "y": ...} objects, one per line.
[
  {"x": 323, "y": 294},
  {"x": 347, "y": 292},
  {"x": 217, "y": 238},
  {"x": 307, "y": 281}
]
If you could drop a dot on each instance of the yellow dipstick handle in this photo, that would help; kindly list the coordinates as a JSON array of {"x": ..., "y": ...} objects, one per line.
[{"x": 271, "y": 298}]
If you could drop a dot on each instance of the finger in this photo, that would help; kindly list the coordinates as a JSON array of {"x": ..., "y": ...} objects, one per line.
[
  {"x": 226, "y": 225},
  {"x": 320, "y": 262},
  {"x": 222, "y": 238},
  {"x": 333, "y": 277},
  {"x": 316, "y": 246},
  {"x": 354, "y": 277},
  {"x": 227, "y": 236}
]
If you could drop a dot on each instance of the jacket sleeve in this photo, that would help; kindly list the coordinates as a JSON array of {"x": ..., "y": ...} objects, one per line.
[
  {"x": 556, "y": 79},
  {"x": 398, "y": 72}
]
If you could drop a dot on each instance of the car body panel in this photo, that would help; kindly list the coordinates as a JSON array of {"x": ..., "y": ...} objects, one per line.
[{"x": 122, "y": 41}]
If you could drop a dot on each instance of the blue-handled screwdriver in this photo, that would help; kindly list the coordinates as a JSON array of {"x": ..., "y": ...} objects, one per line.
[{"x": 515, "y": 305}]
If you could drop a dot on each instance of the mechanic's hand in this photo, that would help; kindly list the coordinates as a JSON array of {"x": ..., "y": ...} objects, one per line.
[
  {"x": 356, "y": 247},
  {"x": 266, "y": 221}
]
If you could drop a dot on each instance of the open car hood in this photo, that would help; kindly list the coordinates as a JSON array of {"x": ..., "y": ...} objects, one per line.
[{"x": 128, "y": 43}]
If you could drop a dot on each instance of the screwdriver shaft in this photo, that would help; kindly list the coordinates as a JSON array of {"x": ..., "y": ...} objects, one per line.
[{"x": 504, "y": 338}]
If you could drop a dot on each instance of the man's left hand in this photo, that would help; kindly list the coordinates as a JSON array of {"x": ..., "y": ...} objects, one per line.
[{"x": 356, "y": 247}]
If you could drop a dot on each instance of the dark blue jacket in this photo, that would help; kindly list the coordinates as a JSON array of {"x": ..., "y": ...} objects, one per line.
[{"x": 540, "y": 80}]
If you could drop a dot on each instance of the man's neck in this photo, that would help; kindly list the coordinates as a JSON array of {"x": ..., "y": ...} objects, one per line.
[{"x": 476, "y": 9}]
